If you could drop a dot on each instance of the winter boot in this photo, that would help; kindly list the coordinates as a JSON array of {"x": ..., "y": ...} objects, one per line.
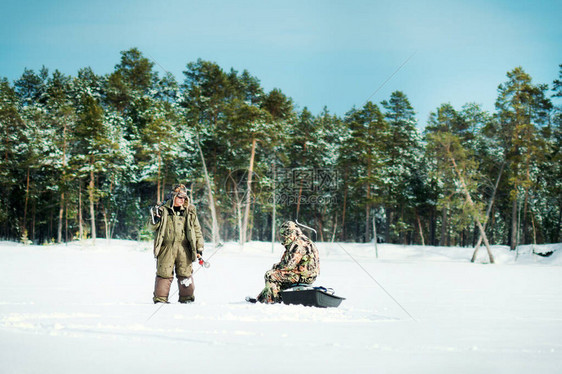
[
  {"x": 186, "y": 289},
  {"x": 270, "y": 294},
  {"x": 161, "y": 289}
]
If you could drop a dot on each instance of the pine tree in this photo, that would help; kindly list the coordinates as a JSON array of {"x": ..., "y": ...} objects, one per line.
[
  {"x": 369, "y": 135},
  {"x": 12, "y": 130},
  {"x": 445, "y": 120},
  {"x": 248, "y": 124},
  {"x": 455, "y": 165},
  {"x": 92, "y": 138},
  {"x": 133, "y": 77},
  {"x": 491, "y": 164},
  {"x": 550, "y": 203},
  {"x": 282, "y": 114},
  {"x": 205, "y": 95},
  {"x": 62, "y": 119},
  {"x": 403, "y": 151},
  {"x": 31, "y": 147},
  {"x": 117, "y": 170},
  {"x": 160, "y": 137},
  {"x": 329, "y": 139},
  {"x": 302, "y": 143},
  {"x": 522, "y": 108}
]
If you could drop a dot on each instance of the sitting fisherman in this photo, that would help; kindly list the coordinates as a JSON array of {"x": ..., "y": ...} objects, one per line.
[{"x": 299, "y": 264}]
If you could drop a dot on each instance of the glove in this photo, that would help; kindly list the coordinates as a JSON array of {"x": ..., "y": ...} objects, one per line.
[{"x": 156, "y": 212}]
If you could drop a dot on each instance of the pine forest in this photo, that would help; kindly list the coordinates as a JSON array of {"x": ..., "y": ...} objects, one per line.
[{"x": 87, "y": 156}]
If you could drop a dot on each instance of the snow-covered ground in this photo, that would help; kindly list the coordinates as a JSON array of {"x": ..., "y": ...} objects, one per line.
[{"x": 80, "y": 308}]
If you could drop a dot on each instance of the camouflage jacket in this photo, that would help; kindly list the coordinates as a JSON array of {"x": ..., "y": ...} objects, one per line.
[{"x": 301, "y": 257}]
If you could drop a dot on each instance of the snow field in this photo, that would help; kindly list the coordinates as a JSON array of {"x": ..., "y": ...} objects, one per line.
[{"x": 78, "y": 307}]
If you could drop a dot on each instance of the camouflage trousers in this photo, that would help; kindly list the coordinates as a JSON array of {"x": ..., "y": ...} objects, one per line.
[{"x": 277, "y": 281}]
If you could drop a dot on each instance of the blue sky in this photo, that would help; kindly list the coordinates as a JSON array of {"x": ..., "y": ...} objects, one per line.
[{"x": 320, "y": 53}]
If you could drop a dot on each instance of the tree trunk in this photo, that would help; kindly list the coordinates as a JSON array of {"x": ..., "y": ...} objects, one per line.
[
  {"x": 534, "y": 231},
  {"x": 367, "y": 224},
  {"x": 250, "y": 231},
  {"x": 239, "y": 218},
  {"x": 488, "y": 211},
  {"x": 80, "y": 220},
  {"x": 105, "y": 222},
  {"x": 490, "y": 224},
  {"x": 107, "y": 212},
  {"x": 558, "y": 227},
  {"x": 158, "y": 187},
  {"x": 490, "y": 255},
  {"x": 524, "y": 223},
  {"x": 91, "y": 197},
  {"x": 335, "y": 228},
  {"x": 420, "y": 228},
  {"x": 243, "y": 234},
  {"x": 320, "y": 227},
  {"x": 403, "y": 232},
  {"x": 26, "y": 201},
  {"x": 389, "y": 216},
  {"x": 61, "y": 216},
  {"x": 62, "y": 202},
  {"x": 66, "y": 223},
  {"x": 299, "y": 202},
  {"x": 237, "y": 207},
  {"x": 343, "y": 215},
  {"x": 368, "y": 206},
  {"x": 375, "y": 237},
  {"x": 33, "y": 213},
  {"x": 443, "y": 239},
  {"x": 163, "y": 188},
  {"x": 513, "y": 241},
  {"x": 432, "y": 226},
  {"x": 471, "y": 203},
  {"x": 274, "y": 213},
  {"x": 215, "y": 223}
]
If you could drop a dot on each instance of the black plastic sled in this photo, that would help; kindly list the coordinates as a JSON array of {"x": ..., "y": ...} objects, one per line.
[{"x": 307, "y": 295}]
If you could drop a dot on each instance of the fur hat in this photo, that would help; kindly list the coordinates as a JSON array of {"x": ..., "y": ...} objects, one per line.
[{"x": 179, "y": 190}]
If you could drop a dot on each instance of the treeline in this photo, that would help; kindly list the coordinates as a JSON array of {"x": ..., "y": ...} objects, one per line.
[{"x": 87, "y": 156}]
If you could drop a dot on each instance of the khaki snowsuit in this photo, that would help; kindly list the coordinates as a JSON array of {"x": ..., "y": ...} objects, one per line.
[
  {"x": 300, "y": 263},
  {"x": 177, "y": 240}
]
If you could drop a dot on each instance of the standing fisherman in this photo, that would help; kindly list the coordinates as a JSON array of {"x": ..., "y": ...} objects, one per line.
[{"x": 178, "y": 242}]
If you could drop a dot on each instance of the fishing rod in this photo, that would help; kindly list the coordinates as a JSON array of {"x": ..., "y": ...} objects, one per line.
[
  {"x": 186, "y": 282},
  {"x": 389, "y": 78},
  {"x": 376, "y": 282},
  {"x": 308, "y": 228},
  {"x": 362, "y": 268}
]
